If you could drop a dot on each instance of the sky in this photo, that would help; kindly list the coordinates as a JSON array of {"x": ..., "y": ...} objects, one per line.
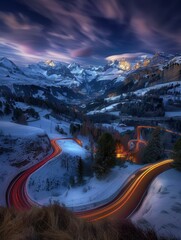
[{"x": 87, "y": 31}]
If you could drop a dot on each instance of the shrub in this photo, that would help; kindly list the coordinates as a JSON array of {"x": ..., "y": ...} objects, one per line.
[{"x": 54, "y": 223}]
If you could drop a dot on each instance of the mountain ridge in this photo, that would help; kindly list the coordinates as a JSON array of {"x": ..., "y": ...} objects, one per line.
[{"x": 92, "y": 80}]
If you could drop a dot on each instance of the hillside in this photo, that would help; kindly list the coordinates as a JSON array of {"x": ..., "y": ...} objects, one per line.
[
  {"x": 164, "y": 198},
  {"x": 20, "y": 147},
  {"x": 74, "y": 89}
]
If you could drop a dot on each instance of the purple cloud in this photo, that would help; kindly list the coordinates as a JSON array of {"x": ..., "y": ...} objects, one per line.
[
  {"x": 95, "y": 29},
  {"x": 82, "y": 52}
]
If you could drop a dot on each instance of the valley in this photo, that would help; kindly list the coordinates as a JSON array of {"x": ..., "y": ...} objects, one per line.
[{"x": 93, "y": 138}]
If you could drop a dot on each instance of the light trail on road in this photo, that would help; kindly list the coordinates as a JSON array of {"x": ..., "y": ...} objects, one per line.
[
  {"x": 138, "y": 139},
  {"x": 122, "y": 206},
  {"x": 16, "y": 194},
  {"x": 128, "y": 200}
]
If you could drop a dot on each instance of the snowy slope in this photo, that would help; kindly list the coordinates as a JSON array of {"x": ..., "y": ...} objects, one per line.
[
  {"x": 176, "y": 60},
  {"x": 143, "y": 91},
  {"x": 17, "y": 130},
  {"x": 94, "y": 192},
  {"x": 9, "y": 65},
  {"x": 103, "y": 110},
  {"x": 20, "y": 148},
  {"x": 162, "y": 206},
  {"x": 110, "y": 74},
  {"x": 57, "y": 172}
]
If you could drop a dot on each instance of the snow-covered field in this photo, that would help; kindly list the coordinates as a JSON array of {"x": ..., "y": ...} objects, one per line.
[
  {"x": 49, "y": 126},
  {"x": 162, "y": 205},
  {"x": 92, "y": 192}
]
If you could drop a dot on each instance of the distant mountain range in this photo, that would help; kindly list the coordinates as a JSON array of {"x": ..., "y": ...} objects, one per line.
[{"x": 115, "y": 77}]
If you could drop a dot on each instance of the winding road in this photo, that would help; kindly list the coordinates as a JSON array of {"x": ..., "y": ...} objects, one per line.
[
  {"x": 122, "y": 206},
  {"x": 16, "y": 195},
  {"x": 130, "y": 197},
  {"x": 138, "y": 140}
]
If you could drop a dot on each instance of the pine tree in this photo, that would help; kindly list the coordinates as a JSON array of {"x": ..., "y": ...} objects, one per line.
[
  {"x": 19, "y": 117},
  {"x": 7, "y": 109},
  {"x": 177, "y": 155},
  {"x": 105, "y": 155},
  {"x": 72, "y": 181},
  {"x": 153, "y": 151},
  {"x": 47, "y": 185},
  {"x": 80, "y": 171}
]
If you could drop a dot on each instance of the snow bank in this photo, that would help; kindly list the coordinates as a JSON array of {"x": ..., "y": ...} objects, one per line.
[{"x": 162, "y": 205}]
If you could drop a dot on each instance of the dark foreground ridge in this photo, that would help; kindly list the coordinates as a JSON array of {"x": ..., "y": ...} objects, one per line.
[{"x": 57, "y": 223}]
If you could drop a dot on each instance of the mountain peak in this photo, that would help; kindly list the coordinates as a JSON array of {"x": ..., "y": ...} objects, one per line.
[
  {"x": 50, "y": 63},
  {"x": 5, "y": 62}
]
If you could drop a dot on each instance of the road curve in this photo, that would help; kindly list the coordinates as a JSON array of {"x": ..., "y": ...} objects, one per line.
[
  {"x": 121, "y": 206},
  {"x": 138, "y": 139},
  {"x": 16, "y": 195},
  {"x": 130, "y": 197}
]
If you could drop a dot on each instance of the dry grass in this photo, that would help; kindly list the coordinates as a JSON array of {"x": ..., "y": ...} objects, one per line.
[{"x": 56, "y": 223}]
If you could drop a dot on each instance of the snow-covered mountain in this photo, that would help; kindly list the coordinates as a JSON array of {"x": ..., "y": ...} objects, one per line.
[
  {"x": 5, "y": 63},
  {"x": 86, "y": 73},
  {"x": 32, "y": 82},
  {"x": 115, "y": 77}
]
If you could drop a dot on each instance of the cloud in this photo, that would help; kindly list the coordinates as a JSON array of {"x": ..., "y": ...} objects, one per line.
[
  {"x": 154, "y": 25},
  {"x": 19, "y": 52},
  {"x": 61, "y": 36},
  {"x": 18, "y": 22},
  {"x": 125, "y": 55},
  {"x": 143, "y": 30},
  {"x": 108, "y": 9},
  {"x": 152, "y": 35},
  {"x": 74, "y": 18},
  {"x": 82, "y": 52},
  {"x": 94, "y": 29}
]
